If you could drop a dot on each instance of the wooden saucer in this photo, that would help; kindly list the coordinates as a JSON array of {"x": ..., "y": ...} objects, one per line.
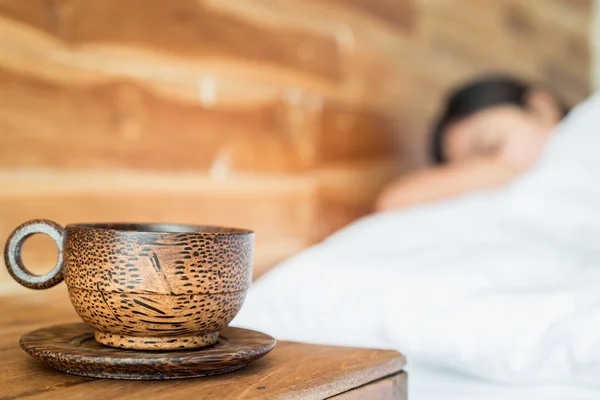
[{"x": 71, "y": 348}]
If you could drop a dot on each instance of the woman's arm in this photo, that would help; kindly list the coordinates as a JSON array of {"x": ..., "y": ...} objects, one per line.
[{"x": 448, "y": 181}]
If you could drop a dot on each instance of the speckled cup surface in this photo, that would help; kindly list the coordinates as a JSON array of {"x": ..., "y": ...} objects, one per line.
[{"x": 145, "y": 286}]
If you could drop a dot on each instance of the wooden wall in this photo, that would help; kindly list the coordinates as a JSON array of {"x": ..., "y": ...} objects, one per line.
[{"x": 285, "y": 116}]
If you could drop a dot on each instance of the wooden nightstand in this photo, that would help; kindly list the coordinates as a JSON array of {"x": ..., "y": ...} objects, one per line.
[{"x": 291, "y": 371}]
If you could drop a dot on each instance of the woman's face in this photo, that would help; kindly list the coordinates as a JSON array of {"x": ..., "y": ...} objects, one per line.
[{"x": 488, "y": 131}]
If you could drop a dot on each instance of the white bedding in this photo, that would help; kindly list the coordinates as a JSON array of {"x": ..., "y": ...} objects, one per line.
[
  {"x": 502, "y": 286},
  {"x": 432, "y": 384}
]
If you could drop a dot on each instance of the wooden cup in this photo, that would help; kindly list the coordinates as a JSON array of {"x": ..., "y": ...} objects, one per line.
[{"x": 145, "y": 286}]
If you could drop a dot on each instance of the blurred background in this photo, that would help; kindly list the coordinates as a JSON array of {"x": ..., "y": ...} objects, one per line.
[{"x": 283, "y": 116}]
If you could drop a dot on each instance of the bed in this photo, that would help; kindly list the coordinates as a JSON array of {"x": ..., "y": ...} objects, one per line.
[{"x": 500, "y": 286}]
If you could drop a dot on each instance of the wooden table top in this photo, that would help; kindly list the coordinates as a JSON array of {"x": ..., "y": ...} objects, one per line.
[{"x": 291, "y": 370}]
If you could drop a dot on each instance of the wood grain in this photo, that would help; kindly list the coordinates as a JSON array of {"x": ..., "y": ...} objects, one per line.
[
  {"x": 71, "y": 348},
  {"x": 397, "y": 14},
  {"x": 188, "y": 29},
  {"x": 346, "y": 134},
  {"x": 370, "y": 71},
  {"x": 121, "y": 125},
  {"x": 42, "y": 125},
  {"x": 342, "y": 196},
  {"x": 291, "y": 370},
  {"x": 393, "y": 387},
  {"x": 144, "y": 286},
  {"x": 377, "y": 59}
]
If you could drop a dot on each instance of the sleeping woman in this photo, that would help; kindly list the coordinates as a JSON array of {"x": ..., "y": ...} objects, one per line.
[{"x": 491, "y": 130}]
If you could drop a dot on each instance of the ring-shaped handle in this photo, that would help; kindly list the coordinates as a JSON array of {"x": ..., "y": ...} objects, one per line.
[{"x": 14, "y": 263}]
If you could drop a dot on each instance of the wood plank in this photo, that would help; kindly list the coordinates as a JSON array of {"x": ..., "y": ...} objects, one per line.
[
  {"x": 47, "y": 124},
  {"x": 450, "y": 39},
  {"x": 182, "y": 28},
  {"x": 346, "y": 134},
  {"x": 394, "y": 387},
  {"x": 367, "y": 56},
  {"x": 291, "y": 370},
  {"x": 374, "y": 53},
  {"x": 209, "y": 81},
  {"x": 398, "y": 14},
  {"x": 583, "y": 6},
  {"x": 572, "y": 16},
  {"x": 348, "y": 193}
]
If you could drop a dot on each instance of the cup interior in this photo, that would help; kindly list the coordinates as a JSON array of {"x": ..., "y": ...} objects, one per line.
[{"x": 163, "y": 228}]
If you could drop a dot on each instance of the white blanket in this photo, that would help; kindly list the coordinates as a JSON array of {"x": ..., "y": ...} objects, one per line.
[{"x": 501, "y": 285}]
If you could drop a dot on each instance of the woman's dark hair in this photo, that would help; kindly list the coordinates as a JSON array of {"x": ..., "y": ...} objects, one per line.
[{"x": 476, "y": 96}]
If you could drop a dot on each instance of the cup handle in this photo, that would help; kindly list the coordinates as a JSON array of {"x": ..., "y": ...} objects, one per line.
[{"x": 14, "y": 263}]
